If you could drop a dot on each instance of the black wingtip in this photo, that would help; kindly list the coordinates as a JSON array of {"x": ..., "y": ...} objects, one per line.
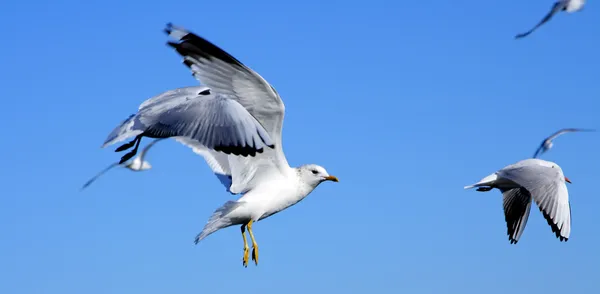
[{"x": 168, "y": 28}]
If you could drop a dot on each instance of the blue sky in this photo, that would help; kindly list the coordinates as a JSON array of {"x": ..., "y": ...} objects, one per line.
[{"x": 405, "y": 101}]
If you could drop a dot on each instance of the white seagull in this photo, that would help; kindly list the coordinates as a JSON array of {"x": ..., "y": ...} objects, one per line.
[
  {"x": 235, "y": 124},
  {"x": 569, "y": 6},
  {"x": 519, "y": 182},
  {"x": 137, "y": 164},
  {"x": 547, "y": 142}
]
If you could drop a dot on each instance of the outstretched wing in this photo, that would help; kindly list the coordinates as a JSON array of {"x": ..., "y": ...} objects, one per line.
[
  {"x": 220, "y": 71},
  {"x": 212, "y": 119},
  {"x": 556, "y": 7},
  {"x": 568, "y": 130},
  {"x": 517, "y": 204},
  {"x": 547, "y": 187},
  {"x": 94, "y": 178}
]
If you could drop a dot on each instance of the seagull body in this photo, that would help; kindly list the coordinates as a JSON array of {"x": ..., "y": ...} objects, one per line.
[
  {"x": 541, "y": 180},
  {"x": 569, "y": 6},
  {"x": 137, "y": 164},
  {"x": 234, "y": 123},
  {"x": 547, "y": 142}
]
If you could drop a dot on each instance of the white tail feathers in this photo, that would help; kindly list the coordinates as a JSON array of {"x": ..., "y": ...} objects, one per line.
[
  {"x": 484, "y": 182},
  {"x": 218, "y": 220}
]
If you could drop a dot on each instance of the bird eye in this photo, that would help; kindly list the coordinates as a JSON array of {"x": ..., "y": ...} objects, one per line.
[
  {"x": 205, "y": 92},
  {"x": 314, "y": 171}
]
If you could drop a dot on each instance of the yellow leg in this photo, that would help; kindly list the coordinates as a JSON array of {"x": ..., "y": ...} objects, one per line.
[
  {"x": 254, "y": 245},
  {"x": 246, "y": 249}
]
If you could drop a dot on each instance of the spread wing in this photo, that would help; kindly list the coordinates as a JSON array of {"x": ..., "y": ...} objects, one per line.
[
  {"x": 556, "y": 7},
  {"x": 547, "y": 187},
  {"x": 226, "y": 75},
  {"x": 212, "y": 119},
  {"x": 517, "y": 204},
  {"x": 567, "y": 130}
]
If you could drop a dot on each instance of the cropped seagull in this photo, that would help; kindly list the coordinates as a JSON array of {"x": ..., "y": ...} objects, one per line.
[
  {"x": 569, "y": 6},
  {"x": 137, "y": 164},
  {"x": 541, "y": 180},
  {"x": 547, "y": 143},
  {"x": 235, "y": 123}
]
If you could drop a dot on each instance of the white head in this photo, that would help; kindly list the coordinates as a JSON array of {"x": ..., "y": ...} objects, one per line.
[
  {"x": 551, "y": 164},
  {"x": 313, "y": 174}
]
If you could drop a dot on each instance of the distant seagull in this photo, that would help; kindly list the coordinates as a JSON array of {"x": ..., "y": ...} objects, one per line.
[
  {"x": 235, "y": 123},
  {"x": 541, "y": 180},
  {"x": 137, "y": 164},
  {"x": 561, "y": 5},
  {"x": 547, "y": 143}
]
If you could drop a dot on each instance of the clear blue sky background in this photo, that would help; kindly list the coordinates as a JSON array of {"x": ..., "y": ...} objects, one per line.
[{"x": 405, "y": 101}]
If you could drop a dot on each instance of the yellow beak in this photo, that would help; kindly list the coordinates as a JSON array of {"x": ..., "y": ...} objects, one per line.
[{"x": 331, "y": 178}]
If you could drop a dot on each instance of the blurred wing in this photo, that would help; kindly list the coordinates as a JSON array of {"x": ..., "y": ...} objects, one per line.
[
  {"x": 539, "y": 149},
  {"x": 217, "y": 161},
  {"x": 215, "y": 121},
  {"x": 556, "y": 7},
  {"x": 225, "y": 74},
  {"x": 90, "y": 181},
  {"x": 142, "y": 155},
  {"x": 568, "y": 130},
  {"x": 517, "y": 204},
  {"x": 548, "y": 190}
]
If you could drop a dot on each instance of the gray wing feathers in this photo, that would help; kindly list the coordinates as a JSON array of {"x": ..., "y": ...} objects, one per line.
[
  {"x": 125, "y": 130},
  {"x": 567, "y": 130},
  {"x": 220, "y": 71},
  {"x": 218, "y": 220},
  {"x": 517, "y": 205},
  {"x": 225, "y": 74},
  {"x": 215, "y": 121},
  {"x": 549, "y": 193}
]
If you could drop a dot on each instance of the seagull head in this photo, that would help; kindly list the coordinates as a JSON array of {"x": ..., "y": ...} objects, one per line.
[{"x": 314, "y": 174}]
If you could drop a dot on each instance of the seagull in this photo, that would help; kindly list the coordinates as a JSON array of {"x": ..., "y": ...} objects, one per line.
[
  {"x": 519, "y": 182},
  {"x": 569, "y": 6},
  {"x": 234, "y": 122},
  {"x": 547, "y": 143},
  {"x": 137, "y": 164}
]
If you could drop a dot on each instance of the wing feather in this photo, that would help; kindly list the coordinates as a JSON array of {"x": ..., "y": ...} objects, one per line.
[
  {"x": 212, "y": 119},
  {"x": 223, "y": 73},
  {"x": 547, "y": 187},
  {"x": 517, "y": 205}
]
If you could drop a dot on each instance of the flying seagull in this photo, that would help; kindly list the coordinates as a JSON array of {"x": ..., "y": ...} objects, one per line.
[
  {"x": 569, "y": 6},
  {"x": 235, "y": 123},
  {"x": 547, "y": 143},
  {"x": 137, "y": 164},
  {"x": 541, "y": 180}
]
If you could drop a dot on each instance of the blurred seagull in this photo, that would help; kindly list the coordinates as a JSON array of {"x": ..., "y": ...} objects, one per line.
[
  {"x": 569, "y": 6},
  {"x": 541, "y": 180},
  {"x": 235, "y": 124},
  {"x": 547, "y": 143},
  {"x": 137, "y": 164}
]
